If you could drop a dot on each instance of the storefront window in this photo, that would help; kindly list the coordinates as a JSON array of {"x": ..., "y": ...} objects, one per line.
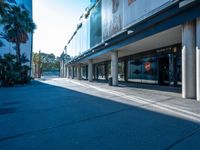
[
  {"x": 161, "y": 67},
  {"x": 70, "y": 72},
  {"x": 135, "y": 70},
  {"x": 149, "y": 70},
  {"x": 109, "y": 70},
  {"x": 179, "y": 71},
  {"x": 121, "y": 71},
  {"x": 75, "y": 71},
  {"x": 84, "y": 72},
  {"x": 101, "y": 72}
]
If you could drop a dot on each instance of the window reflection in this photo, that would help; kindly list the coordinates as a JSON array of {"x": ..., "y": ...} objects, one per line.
[
  {"x": 101, "y": 74},
  {"x": 149, "y": 70},
  {"x": 135, "y": 70},
  {"x": 84, "y": 72},
  {"x": 121, "y": 66}
]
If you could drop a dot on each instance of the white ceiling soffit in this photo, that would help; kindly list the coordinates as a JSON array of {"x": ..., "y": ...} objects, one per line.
[{"x": 162, "y": 39}]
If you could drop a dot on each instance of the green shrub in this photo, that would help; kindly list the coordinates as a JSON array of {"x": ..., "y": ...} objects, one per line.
[{"x": 11, "y": 72}]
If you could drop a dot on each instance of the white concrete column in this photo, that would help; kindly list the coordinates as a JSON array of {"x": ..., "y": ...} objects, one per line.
[
  {"x": 114, "y": 68},
  {"x": 67, "y": 69},
  {"x": 72, "y": 72},
  {"x": 198, "y": 57},
  {"x": 90, "y": 70},
  {"x": 188, "y": 60},
  {"x": 61, "y": 69},
  {"x": 79, "y": 71}
]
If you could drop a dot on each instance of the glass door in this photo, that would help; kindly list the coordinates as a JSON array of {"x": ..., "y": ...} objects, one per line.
[{"x": 163, "y": 70}]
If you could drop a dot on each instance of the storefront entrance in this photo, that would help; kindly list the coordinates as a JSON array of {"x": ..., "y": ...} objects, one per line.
[
  {"x": 163, "y": 70},
  {"x": 160, "y": 67}
]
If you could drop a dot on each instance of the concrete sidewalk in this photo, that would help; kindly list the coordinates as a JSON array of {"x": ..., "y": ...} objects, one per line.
[
  {"x": 161, "y": 97},
  {"x": 61, "y": 114}
]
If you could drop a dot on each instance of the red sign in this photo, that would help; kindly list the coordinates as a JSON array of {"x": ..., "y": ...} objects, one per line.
[{"x": 147, "y": 66}]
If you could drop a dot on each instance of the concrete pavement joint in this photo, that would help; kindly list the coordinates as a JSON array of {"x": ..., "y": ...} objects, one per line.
[
  {"x": 187, "y": 136},
  {"x": 2, "y": 139},
  {"x": 146, "y": 102}
]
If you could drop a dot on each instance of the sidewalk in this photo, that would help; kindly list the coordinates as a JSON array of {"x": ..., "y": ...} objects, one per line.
[
  {"x": 57, "y": 113},
  {"x": 160, "y": 97}
]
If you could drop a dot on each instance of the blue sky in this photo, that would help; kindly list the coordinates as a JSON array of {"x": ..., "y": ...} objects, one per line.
[{"x": 56, "y": 20}]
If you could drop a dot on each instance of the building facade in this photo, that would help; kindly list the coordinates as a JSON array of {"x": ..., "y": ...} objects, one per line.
[
  {"x": 26, "y": 48},
  {"x": 142, "y": 41}
]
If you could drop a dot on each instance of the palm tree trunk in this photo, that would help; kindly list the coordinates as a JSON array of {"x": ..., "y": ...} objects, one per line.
[{"x": 18, "y": 53}]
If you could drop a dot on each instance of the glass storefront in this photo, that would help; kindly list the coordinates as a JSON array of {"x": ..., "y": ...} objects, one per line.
[
  {"x": 162, "y": 67},
  {"x": 143, "y": 70},
  {"x": 149, "y": 70},
  {"x": 135, "y": 70},
  {"x": 179, "y": 70},
  {"x": 109, "y": 70},
  {"x": 101, "y": 72},
  {"x": 75, "y": 72},
  {"x": 84, "y": 72},
  {"x": 121, "y": 71},
  {"x": 70, "y": 72}
]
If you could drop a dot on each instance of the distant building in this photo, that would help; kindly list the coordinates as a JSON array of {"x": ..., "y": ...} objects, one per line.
[
  {"x": 27, "y": 47},
  {"x": 142, "y": 41}
]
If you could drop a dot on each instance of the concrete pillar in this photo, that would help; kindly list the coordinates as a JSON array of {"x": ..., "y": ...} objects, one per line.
[
  {"x": 198, "y": 57},
  {"x": 67, "y": 69},
  {"x": 188, "y": 60},
  {"x": 90, "y": 70},
  {"x": 63, "y": 69},
  {"x": 114, "y": 68},
  {"x": 72, "y": 72},
  {"x": 79, "y": 71}
]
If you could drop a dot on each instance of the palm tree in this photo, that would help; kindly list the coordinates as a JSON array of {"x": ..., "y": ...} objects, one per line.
[
  {"x": 37, "y": 60},
  {"x": 3, "y": 7},
  {"x": 17, "y": 25},
  {"x": 1, "y": 43}
]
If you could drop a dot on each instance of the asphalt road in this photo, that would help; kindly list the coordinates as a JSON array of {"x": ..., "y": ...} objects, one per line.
[{"x": 60, "y": 115}]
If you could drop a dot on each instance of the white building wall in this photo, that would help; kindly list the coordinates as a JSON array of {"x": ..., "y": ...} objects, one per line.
[
  {"x": 25, "y": 48},
  {"x": 134, "y": 9}
]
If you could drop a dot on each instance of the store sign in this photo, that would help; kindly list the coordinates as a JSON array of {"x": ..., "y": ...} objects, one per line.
[
  {"x": 163, "y": 50},
  {"x": 112, "y": 13}
]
